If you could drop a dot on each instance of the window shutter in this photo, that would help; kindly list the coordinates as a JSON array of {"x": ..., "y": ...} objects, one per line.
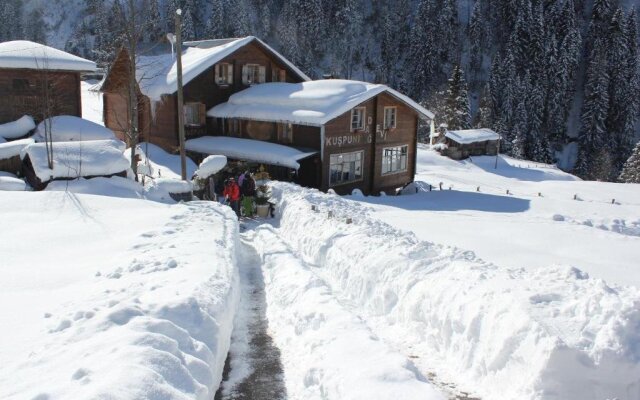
[
  {"x": 217, "y": 73},
  {"x": 202, "y": 112},
  {"x": 245, "y": 74},
  {"x": 263, "y": 73},
  {"x": 230, "y": 74}
]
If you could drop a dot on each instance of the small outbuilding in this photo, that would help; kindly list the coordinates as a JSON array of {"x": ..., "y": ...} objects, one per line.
[
  {"x": 72, "y": 160},
  {"x": 39, "y": 80},
  {"x": 471, "y": 142}
]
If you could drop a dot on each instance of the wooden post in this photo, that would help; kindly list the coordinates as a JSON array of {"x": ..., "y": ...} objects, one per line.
[{"x": 183, "y": 156}]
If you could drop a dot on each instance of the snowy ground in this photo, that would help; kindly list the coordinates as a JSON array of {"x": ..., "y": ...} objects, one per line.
[
  {"x": 91, "y": 101},
  {"x": 114, "y": 297},
  {"x": 497, "y": 332},
  {"x": 522, "y": 229}
]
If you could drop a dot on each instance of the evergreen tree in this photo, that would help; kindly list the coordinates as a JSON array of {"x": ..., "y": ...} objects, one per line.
[
  {"x": 170, "y": 7},
  {"x": 241, "y": 21},
  {"x": 422, "y": 50},
  {"x": 484, "y": 115},
  {"x": 216, "y": 23},
  {"x": 188, "y": 29},
  {"x": 476, "y": 39},
  {"x": 153, "y": 31},
  {"x": 631, "y": 170},
  {"x": 457, "y": 113},
  {"x": 36, "y": 27},
  {"x": 593, "y": 139}
]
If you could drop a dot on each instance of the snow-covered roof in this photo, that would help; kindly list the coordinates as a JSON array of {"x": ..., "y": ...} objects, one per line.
[
  {"x": 13, "y": 148},
  {"x": 249, "y": 150},
  {"x": 18, "y": 128},
  {"x": 77, "y": 159},
  {"x": 67, "y": 128},
  {"x": 30, "y": 55},
  {"x": 468, "y": 136},
  {"x": 158, "y": 74},
  {"x": 307, "y": 103}
]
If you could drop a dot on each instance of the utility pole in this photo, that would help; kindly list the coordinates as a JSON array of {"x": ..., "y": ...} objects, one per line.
[{"x": 183, "y": 156}]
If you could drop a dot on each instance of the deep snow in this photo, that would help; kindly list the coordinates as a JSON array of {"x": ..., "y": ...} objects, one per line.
[{"x": 114, "y": 297}]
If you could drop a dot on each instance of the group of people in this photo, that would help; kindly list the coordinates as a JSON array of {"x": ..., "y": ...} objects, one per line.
[{"x": 241, "y": 192}]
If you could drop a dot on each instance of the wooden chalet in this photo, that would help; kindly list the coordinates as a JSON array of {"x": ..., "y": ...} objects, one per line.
[
  {"x": 328, "y": 134},
  {"x": 38, "y": 80},
  {"x": 213, "y": 70}
]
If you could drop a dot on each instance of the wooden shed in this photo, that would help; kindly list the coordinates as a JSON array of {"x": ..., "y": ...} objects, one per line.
[
  {"x": 471, "y": 142},
  {"x": 39, "y": 80}
]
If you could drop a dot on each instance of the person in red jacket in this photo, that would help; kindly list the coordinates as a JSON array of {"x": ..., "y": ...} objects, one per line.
[{"x": 232, "y": 194}]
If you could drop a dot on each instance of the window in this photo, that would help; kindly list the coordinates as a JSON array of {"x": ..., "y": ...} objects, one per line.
[
  {"x": 346, "y": 167},
  {"x": 389, "y": 117},
  {"x": 20, "y": 84},
  {"x": 285, "y": 133},
  {"x": 394, "y": 159},
  {"x": 233, "y": 127},
  {"x": 224, "y": 74},
  {"x": 252, "y": 74},
  {"x": 194, "y": 114},
  {"x": 278, "y": 75},
  {"x": 357, "y": 118}
]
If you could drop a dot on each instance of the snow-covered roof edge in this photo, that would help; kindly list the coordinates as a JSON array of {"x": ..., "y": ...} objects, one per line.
[
  {"x": 467, "y": 136},
  {"x": 25, "y": 54},
  {"x": 219, "y": 110}
]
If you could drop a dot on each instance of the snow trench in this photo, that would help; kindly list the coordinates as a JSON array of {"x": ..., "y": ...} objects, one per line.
[{"x": 552, "y": 333}]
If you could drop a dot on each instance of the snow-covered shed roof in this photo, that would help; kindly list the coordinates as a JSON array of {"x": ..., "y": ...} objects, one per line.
[
  {"x": 69, "y": 128},
  {"x": 468, "y": 136},
  {"x": 307, "y": 103},
  {"x": 18, "y": 128},
  {"x": 13, "y": 148},
  {"x": 77, "y": 159},
  {"x": 31, "y": 55},
  {"x": 158, "y": 74},
  {"x": 249, "y": 150}
]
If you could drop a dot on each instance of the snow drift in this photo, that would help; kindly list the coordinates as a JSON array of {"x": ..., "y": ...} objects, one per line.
[
  {"x": 553, "y": 333},
  {"x": 124, "y": 299},
  {"x": 18, "y": 128},
  {"x": 67, "y": 128}
]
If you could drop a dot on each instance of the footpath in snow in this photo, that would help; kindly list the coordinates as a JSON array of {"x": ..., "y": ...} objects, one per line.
[
  {"x": 499, "y": 333},
  {"x": 118, "y": 298}
]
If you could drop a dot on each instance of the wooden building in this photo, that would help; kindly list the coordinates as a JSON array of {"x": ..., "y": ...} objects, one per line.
[
  {"x": 328, "y": 134},
  {"x": 470, "y": 142},
  {"x": 39, "y": 81},
  {"x": 364, "y": 135},
  {"x": 213, "y": 70}
]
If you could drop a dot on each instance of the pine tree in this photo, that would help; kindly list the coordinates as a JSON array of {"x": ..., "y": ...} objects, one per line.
[
  {"x": 241, "y": 22},
  {"x": 631, "y": 170},
  {"x": 594, "y": 140},
  {"x": 170, "y": 7},
  {"x": 476, "y": 39},
  {"x": 188, "y": 30},
  {"x": 216, "y": 23},
  {"x": 422, "y": 50},
  {"x": 457, "y": 110},
  {"x": 484, "y": 115},
  {"x": 36, "y": 26},
  {"x": 153, "y": 31}
]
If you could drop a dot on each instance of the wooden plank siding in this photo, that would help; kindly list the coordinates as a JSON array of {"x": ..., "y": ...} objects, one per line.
[
  {"x": 340, "y": 139},
  {"x": 22, "y": 93}
]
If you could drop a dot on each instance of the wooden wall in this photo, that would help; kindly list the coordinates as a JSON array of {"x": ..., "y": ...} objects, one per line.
[
  {"x": 372, "y": 140},
  {"x": 64, "y": 91}
]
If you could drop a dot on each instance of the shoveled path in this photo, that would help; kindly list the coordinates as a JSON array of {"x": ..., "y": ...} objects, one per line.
[{"x": 253, "y": 369}]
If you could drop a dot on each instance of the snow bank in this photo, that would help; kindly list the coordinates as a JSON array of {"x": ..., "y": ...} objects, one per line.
[
  {"x": 159, "y": 189},
  {"x": 97, "y": 314},
  {"x": 550, "y": 333},
  {"x": 67, "y": 128},
  {"x": 10, "y": 182},
  {"x": 77, "y": 159},
  {"x": 161, "y": 164},
  {"x": 211, "y": 165},
  {"x": 18, "y": 128},
  {"x": 13, "y": 148},
  {"x": 327, "y": 352},
  {"x": 30, "y": 55},
  {"x": 114, "y": 186},
  {"x": 312, "y": 103},
  {"x": 247, "y": 149}
]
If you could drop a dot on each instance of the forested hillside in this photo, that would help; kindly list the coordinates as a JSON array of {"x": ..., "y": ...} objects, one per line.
[{"x": 558, "y": 79}]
